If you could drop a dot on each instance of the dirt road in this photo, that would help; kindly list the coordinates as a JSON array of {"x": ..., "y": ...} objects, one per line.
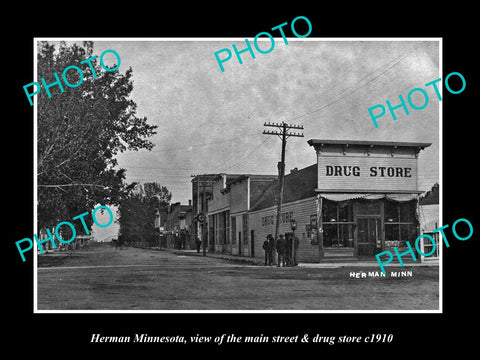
[{"x": 102, "y": 278}]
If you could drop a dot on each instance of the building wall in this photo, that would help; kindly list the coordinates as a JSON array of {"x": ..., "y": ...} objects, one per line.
[
  {"x": 218, "y": 200},
  {"x": 239, "y": 202},
  {"x": 429, "y": 218},
  {"x": 233, "y": 203},
  {"x": 219, "y": 231},
  {"x": 239, "y": 196},
  {"x": 237, "y": 236},
  {"x": 201, "y": 190},
  {"x": 262, "y": 222},
  {"x": 218, "y": 212}
]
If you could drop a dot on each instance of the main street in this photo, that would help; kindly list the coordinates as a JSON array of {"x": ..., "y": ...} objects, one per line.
[{"x": 100, "y": 277}]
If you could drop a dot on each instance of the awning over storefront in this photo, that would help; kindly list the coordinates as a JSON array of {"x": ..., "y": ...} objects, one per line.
[{"x": 392, "y": 197}]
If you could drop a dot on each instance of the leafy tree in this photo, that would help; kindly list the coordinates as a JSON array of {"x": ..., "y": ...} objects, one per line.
[
  {"x": 157, "y": 193},
  {"x": 79, "y": 133},
  {"x": 137, "y": 212}
]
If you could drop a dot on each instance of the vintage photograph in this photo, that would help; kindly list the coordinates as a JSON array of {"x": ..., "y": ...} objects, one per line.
[{"x": 237, "y": 175}]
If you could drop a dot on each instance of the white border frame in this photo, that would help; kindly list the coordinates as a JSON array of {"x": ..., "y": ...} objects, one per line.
[{"x": 35, "y": 214}]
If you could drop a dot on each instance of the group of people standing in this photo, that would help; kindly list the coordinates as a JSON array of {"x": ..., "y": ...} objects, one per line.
[{"x": 286, "y": 248}]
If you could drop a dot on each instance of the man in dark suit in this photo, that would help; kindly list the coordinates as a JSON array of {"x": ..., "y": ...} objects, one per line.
[
  {"x": 271, "y": 249},
  {"x": 266, "y": 248},
  {"x": 288, "y": 249},
  {"x": 281, "y": 250}
]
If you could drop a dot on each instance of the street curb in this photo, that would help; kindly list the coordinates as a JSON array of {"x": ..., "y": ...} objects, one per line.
[{"x": 251, "y": 261}]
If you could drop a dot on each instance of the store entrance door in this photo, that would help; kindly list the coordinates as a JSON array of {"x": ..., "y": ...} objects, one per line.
[{"x": 369, "y": 231}]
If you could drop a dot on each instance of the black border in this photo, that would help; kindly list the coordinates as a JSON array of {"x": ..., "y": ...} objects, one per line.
[{"x": 413, "y": 333}]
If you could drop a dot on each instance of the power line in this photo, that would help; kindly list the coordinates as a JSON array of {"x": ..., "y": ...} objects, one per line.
[
  {"x": 164, "y": 176},
  {"x": 248, "y": 155},
  {"x": 349, "y": 91},
  {"x": 188, "y": 146},
  {"x": 384, "y": 68},
  {"x": 68, "y": 185},
  {"x": 161, "y": 168}
]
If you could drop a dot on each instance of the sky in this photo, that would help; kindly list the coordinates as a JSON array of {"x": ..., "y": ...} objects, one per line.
[{"x": 211, "y": 121}]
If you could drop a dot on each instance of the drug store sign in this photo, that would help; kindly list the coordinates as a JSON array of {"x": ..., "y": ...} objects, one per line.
[{"x": 356, "y": 173}]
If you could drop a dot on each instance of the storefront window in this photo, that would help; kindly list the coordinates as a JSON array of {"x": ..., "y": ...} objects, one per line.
[
  {"x": 338, "y": 235},
  {"x": 407, "y": 211},
  {"x": 337, "y": 224},
  {"x": 220, "y": 228},
  {"x": 234, "y": 230},
  {"x": 391, "y": 211},
  {"x": 329, "y": 211},
  {"x": 227, "y": 227},
  {"x": 368, "y": 207},
  {"x": 330, "y": 234},
  {"x": 345, "y": 211},
  {"x": 392, "y": 234},
  {"x": 399, "y": 223}
]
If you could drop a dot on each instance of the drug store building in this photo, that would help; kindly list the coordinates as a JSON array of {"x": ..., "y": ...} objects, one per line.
[{"x": 360, "y": 198}]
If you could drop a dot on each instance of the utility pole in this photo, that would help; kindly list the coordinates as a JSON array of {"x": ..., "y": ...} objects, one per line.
[{"x": 284, "y": 134}]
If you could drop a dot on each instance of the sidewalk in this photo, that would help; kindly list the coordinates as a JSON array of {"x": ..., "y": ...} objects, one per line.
[{"x": 329, "y": 263}]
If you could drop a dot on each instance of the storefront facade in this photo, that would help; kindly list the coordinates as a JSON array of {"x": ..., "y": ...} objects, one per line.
[
  {"x": 367, "y": 196},
  {"x": 304, "y": 212},
  {"x": 360, "y": 198},
  {"x": 228, "y": 208},
  {"x": 299, "y": 205},
  {"x": 219, "y": 215}
]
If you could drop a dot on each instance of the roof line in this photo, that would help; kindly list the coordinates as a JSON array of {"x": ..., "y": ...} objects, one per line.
[{"x": 313, "y": 142}]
